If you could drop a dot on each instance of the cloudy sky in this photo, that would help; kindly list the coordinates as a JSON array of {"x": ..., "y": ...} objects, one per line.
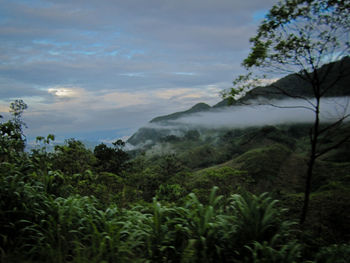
[{"x": 100, "y": 69}]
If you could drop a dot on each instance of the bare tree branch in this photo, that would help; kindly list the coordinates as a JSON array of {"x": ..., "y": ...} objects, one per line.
[{"x": 334, "y": 146}]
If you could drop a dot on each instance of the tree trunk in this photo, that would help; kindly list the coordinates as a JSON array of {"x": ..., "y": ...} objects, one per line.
[
  {"x": 314, "y": 141},
  {"x": 307, "y": 189}
]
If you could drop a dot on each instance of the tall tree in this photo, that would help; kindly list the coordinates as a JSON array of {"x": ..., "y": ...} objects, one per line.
[
  {"x": 12, "y": 139},
  {"x": 113, "y": 160},
  {"x": 73, "y": 157},
  {"x": 309, "y": 38}
]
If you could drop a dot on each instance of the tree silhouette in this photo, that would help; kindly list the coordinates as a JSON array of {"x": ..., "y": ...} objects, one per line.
[{"x": 309, "y": 38}]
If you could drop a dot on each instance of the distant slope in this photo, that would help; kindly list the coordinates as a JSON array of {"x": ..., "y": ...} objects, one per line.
[
  {"x": 295, "y": 86},
  {"x": 223, "y": 103},
  {"x": 291, "y": 84},
  {"x": 200, "y": 107},
  {"x": 146, "y": 135}
]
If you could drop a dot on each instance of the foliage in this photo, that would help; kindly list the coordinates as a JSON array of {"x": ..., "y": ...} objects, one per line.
[
  {"x": 78, "y": 228},
  {"x": 201, "y": 156},
  {"x": 228, "y": 180},
  {"x": 309, "y": 38},
  {"x": 73, "y": 157},
  {"x": 255, "y": 161},
  {"x": 113, "y": 160},
  {"x": 12, "y": 139},
  {"x": 65, "y": 206},
  {"x": 301, "y": 34},
  {"x": 334, "y": 254},
  {"x": 170, "y": 192},
  {"x": 170, "y": 164}
]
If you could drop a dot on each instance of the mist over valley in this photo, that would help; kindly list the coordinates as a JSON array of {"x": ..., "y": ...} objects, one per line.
[{"x": 124, "y": 138}]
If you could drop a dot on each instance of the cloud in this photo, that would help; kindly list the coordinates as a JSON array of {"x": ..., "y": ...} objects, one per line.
[
  {"x": 3, "y": 109},
  {"x": 62, "y": 92},
  {"x": 12, "y": 89},
  {"x": 177, "y": 93},
  {"x": 71, "y": 109},
  {"x": 259, "y": 115},
  {"x": 99, "y": 65}
]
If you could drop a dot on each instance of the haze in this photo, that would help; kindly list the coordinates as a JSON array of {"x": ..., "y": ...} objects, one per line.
[{"x": 259, "y": 115}]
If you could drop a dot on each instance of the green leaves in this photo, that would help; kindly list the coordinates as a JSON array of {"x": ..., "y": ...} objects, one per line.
[
  {"x": 258, "y": 53},
  {"x": 18, "y": 107},
  {"x": 301, "y": 33},
  {"x": 73, "y": 157},
  {"x": 297, "y": 36},
  {"x": 109, "y": 159},
  {"x": 12, "y": 139},
  {"x": 79, "y": 229}
]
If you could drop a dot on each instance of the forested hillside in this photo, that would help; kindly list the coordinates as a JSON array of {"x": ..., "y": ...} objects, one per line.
[
  {"x": 189, "y": 195},
  {"x": 293, "y": 86},
  {"x": 262, "y": 176}
]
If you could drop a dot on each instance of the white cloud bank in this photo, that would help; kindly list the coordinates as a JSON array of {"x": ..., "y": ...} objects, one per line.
[
  {"x": 258, "y": 115},
  {"x": 70, "y": 110}
]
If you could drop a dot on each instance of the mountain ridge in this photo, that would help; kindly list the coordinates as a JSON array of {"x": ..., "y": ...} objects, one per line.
[
  {"x": 292, "y": 84},
  {"x": 199, "y": 107}
]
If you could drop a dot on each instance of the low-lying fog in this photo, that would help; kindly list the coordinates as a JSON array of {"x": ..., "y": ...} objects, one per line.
[{"x": 256, "y": 115}]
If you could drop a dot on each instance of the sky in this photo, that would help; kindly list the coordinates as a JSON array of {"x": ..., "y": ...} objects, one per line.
[{"x": 100, "y": 69}]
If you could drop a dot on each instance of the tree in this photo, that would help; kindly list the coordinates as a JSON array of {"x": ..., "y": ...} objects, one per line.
[
  {"x": 113, "y": 160},
  {"x": 309, "y": 38},
  {"x": 170, "y": 164},
  {"x": 72, "y": 157},
  {"x": 12, "y": 139},
  {"x": 17, "y": 108}
]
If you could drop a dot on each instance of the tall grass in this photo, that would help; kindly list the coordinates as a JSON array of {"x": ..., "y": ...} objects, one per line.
[{"x": 40, "y": 227}]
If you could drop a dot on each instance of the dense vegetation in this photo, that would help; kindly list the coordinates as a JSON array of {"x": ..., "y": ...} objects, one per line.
[{"x": 199, "y": 197}]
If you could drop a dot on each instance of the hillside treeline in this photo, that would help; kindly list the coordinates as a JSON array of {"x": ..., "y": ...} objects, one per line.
[{"x": 191, "y": 198}]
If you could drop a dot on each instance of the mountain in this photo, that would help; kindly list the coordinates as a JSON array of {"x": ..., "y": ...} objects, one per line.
[
  {"x": 200, "y": 107},
  {"x": 292, "y": 84},
  {"x": 296, "y": 86},
  {"x": 187, "y": 157},
  {"x": 163, "y": 126}
]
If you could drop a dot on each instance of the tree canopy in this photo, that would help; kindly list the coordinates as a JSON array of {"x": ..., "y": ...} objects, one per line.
[
  {"x": 304, "y": 37},
  {"x": 299, "y": 36}
]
